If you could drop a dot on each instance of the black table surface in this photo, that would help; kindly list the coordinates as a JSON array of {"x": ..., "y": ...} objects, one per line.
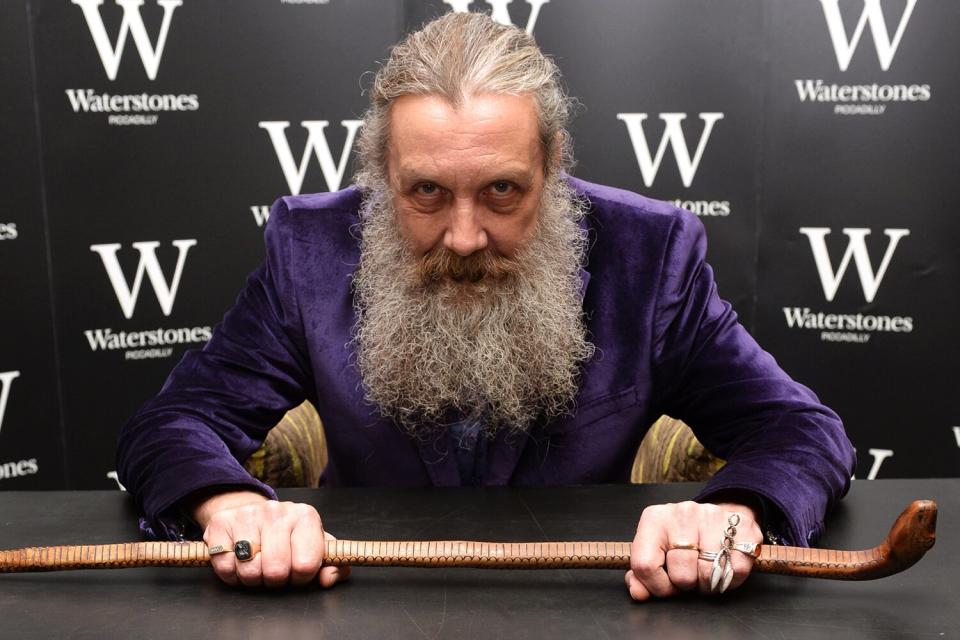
[{"x": 923, "y": 602}]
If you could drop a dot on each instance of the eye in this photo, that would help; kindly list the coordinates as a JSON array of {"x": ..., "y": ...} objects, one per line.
[
  {"x": 428, "y": 189},
  {"x": 501, "y": 188}
]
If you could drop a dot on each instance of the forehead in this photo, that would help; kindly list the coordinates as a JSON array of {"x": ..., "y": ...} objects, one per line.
[{"x": 486, "y": 133}]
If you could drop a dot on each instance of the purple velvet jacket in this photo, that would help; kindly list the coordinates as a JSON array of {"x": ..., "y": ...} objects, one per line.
[{"x": 666, "y": 343}]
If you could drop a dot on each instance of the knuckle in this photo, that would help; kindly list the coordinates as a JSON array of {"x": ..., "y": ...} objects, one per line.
[
  {"x": 247, "y": 569},
  {"x": 305, "y": 509},
  {"x": 644, "y": 566},
  {"x": 684, "y": 579},
  {"x": 305, "y": 513},
  {"x": 650, "y": 514},
  {"x": 275, "y": 571},
  {"x": 655, "y": 509},
  {"x": 303, "y": 565},
  {"x": 219, "y": 519},
  {"x": 712, "y": 509},
  {"x": 688, "y": 507},
  {"x": 249, "y": 580}
]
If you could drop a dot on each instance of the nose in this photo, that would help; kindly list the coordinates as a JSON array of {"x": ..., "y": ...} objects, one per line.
[{"x": 464, "y": 234}]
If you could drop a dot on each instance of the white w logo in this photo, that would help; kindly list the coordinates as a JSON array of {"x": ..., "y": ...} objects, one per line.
[
  {"x": 857, "y": 250},
  {"x": 6, "y": 381},
  {"x": 126, "y": 295},
  {"x": 316, "y": 145},
  {"x": 672, "y": 135},
  {"x": 872, "y": 13},
  {"x": 132, "y": 24},
  {"x": 499, "y": 11}
]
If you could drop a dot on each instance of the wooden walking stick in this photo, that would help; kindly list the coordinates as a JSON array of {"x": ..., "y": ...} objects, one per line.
[{"x": 912, "y": 534}]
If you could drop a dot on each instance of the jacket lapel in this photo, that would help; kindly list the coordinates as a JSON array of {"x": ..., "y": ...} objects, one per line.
[
  {"x": 505, "y": 453},
  {"x": 439, "y": 460}
]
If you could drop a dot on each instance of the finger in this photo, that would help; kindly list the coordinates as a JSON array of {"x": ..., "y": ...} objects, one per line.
[
  {"x": 275, "y": 550},
  {"x": 716, "y": 523},
  {"x": 741, "y": 570},
  {"x": 331, "y": 575},
  {"x": 249, "y": 572},
  {"x": 216, "y": 534},
  {"x": 648, "y": 551},
  {"x": 742, "y": 565},
  {"x": 743, "y": 562},
  {"x": 681, "y": 564},
  {"x": 306, "y": 546},
  {"x": 682, "y": 569},
  {"x": 637, "y": 591},
  {"x": 704, "y": 568},
  {"x": 712, "y": 526}
]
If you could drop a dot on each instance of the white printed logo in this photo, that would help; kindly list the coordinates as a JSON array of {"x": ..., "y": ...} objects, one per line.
[
  {"x": 112, "y": 475},
  {"x": 127, "y": 295},
  {"x": 131, "y": 24},
  {"x": 672, "y": 136},
  {"x": 499, "y": 10},
  {"x": 857, "y": 250},
  {"x": 316, "y": 146},
  {"x": 879, "y": 455},
  {"x": 873, "y": 14},
  {"x": 6, "y": 382}
]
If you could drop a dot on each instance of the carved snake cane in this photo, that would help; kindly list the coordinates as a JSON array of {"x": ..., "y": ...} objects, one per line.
[{"x": 912, "y": 534}]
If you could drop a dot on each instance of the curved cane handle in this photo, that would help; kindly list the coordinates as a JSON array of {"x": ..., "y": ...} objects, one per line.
[{"x": 913, "y": 533}]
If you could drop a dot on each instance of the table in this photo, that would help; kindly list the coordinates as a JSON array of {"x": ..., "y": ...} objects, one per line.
[{"x": 923, "y": 602}]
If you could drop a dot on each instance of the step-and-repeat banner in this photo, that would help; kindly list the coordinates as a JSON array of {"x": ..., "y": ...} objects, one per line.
[{"x": 145, "y": 140}]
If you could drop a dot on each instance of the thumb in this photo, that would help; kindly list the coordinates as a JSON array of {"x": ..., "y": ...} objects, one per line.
[{"x": 330, "y": 575}]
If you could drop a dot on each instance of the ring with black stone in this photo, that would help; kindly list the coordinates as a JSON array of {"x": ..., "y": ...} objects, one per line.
[{"x": 245, "y": 550}]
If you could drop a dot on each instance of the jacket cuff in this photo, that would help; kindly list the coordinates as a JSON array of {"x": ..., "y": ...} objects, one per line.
[
  {"x": 780, "y": 524},
  {"x": 164, "y": 518},
  {"x": 770, "y": 517}
]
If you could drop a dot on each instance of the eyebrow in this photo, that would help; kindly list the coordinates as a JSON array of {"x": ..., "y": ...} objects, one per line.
[{"x": 408, "y": 174}]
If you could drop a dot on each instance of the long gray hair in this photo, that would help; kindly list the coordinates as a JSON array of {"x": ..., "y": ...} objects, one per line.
[{"x": 457, "y": 56}]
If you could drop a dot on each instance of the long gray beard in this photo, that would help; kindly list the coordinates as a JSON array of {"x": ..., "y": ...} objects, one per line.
[{"x": 506, "y": 348}]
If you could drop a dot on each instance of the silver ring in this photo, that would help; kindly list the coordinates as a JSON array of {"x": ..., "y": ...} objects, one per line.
[
  {"x": 722, "y": 573},
  {"x": 752, "y": 549}
]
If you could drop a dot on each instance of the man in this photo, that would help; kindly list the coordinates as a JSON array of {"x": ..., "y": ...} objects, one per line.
[{"x": 469, "y": 314}]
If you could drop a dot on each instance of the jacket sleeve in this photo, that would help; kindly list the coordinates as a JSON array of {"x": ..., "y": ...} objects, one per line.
[
  {"x": 779, "y": 441},
  {"x": 218, "y": 404}
]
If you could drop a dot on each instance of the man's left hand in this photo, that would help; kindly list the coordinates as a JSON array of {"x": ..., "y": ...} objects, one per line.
[{"x": 663, "y": 557}]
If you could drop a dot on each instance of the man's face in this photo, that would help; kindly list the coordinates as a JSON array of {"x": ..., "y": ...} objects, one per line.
[
  {"x": 465, "y": 179},
  {"x": 468, "y": 290}
]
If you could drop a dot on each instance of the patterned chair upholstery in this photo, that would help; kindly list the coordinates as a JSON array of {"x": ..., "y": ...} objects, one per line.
[
  {"x": 671, "y": 453},
  {"x": 295, "y": 453}
]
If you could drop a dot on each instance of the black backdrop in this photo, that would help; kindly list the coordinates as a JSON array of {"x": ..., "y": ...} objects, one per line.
[{"x": 144, "y": 141}]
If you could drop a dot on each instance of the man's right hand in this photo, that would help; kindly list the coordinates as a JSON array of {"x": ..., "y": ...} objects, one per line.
[{"x": 290, "y": 536}]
